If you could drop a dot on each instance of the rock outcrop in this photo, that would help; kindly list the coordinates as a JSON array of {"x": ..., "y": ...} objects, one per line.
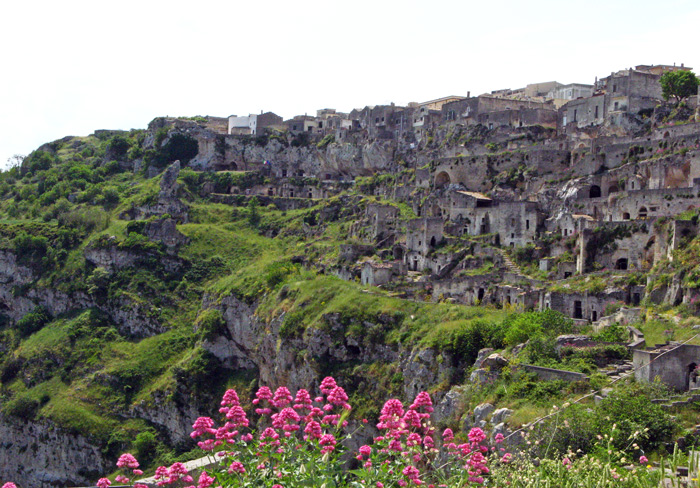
[{"x": 39, "y": 454}]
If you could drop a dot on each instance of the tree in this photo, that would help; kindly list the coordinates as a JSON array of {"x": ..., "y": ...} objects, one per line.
[{"x": 679, "y": 85}]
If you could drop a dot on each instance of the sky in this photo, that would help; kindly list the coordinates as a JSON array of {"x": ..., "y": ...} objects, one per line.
[{"x": 72, "y": 67}]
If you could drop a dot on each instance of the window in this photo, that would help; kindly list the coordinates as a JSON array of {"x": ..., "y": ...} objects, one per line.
[
  {"x": 575, "y": 115},
  {"x": 596, "y": 111},
  {"x": 614, "y": 88},
  {"x": 616, "y": 105},
  {"x": 527, "y": 225}
]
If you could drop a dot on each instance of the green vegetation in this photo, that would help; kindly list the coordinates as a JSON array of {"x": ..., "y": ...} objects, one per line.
[{"x": 679, "y": 85}]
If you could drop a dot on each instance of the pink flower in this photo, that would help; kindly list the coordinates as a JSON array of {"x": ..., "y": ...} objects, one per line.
[
  {"x": 422, "y": 400},
  {"x": 380, "y": 484},
  {"x": 412, "y": 419},
  {"x": 205, "y": 481},
  {"x": 499, "y": 438},
  {"x": 236, "y": 467},
  {"x": 313, "y": 430},
  {"x": 392, "y": 412},
  {"x": 127, "y": 460},
  {"x": 237, "y": 416},
  {"x": 411, "y": 472},
  {"x": 328, "y": 384},
  {"x": 476, "y": 435},
  {"x": 303, "y": 400},
  {"x": 277, "y": 486},
  {"x": 138, "y": 472},
  {"x": 101, "y": 483},
  {"x": 365, "y": 450},
  {"x": 282, "y": 397},
  {"x": 448, "y": 435},
  {"x": 643, "y": 459},
  {"x": 327, "y": 442},
  {"x": 201, "y": 426}
]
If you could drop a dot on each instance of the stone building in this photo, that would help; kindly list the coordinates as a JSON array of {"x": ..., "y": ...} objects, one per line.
[
  {"x": 422, "y": 236},
  {"x": 676, "y": 365},
  {"x": 253, "y": 124}
]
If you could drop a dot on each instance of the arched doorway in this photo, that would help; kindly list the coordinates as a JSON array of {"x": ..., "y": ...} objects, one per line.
[
  {"x": 442, "y": 179},
  {"x": 594, "y": 192},
  {"x": 621, "y": 264},
  {"x": 691, "y": 376}
]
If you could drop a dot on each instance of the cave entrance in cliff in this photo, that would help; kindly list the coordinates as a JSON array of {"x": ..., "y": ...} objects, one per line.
[
  {"x": 621, "y": 264},
  {"x": 480, "y": 295},
  {"x": 594, "y": 192},
  {"x": 233, "y": 166},
  {"x": 442, "y": 179}
]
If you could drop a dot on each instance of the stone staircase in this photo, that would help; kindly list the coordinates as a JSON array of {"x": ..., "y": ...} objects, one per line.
[
  {"x": 509, "y": 264},
  {"x": 679, "y": 400},
  {"x": 622, "y": 370}
]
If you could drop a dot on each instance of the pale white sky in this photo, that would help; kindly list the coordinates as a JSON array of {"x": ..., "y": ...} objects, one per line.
[{"x": 70, "y": 67}]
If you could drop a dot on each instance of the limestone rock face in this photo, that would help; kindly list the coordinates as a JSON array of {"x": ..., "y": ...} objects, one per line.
[
  {"x": 37, "y": 454},
  {"x": 482, "y": 411},
  {"x": 500, "y": 415},
  {"x": 449, "y": 408},
  {"x": 165, "y": 231},
  {"x": 483, "y": 354},
  {"x": 495, "y": 362}
]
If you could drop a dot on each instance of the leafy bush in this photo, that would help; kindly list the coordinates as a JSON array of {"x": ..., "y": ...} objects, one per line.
[
  {"x": 33, "y": 321},
  {"x": 210, "y": 324}
]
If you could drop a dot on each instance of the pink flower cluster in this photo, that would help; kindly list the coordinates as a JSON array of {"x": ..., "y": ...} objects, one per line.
[{"x": 175, "y": 474}]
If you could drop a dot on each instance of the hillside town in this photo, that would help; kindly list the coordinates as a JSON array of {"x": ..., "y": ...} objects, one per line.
[{"x": 583, "y": 179}]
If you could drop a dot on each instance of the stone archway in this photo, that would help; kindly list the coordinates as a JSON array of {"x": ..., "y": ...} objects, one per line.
[
  {"x": 442, "y": 179},
  {"x": 594, "y": 192}
]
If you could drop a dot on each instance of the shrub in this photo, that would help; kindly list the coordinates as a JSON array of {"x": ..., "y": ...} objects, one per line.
[{"x": 33, "y": 321}]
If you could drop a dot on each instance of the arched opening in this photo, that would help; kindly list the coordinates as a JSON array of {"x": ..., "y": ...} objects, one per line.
[
  {"x": 621, "y": 264},
  {"x": 643, "y": 213},
  {"x": 414, "y": 264},
  {"x": 398, "y": 253},
  {"x": 613, "y": 189},
  {"x": 625, "y": 216},
  {"x": 480, "y": 294},
  {"x": 270, "y": 192},
  {"x": 691, "y": 376},
  {"x": 442, "y": 179},
  {"x": 432, "y": 241},
  {"x": 594, "y": 192},
  {"x": 649, "y": 251},
  {"x": 666, "y": 135},
  {"x": 582, "y": 146}
]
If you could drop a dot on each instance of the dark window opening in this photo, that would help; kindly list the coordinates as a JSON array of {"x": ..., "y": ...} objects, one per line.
[{"x": 578, "y": 309}]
